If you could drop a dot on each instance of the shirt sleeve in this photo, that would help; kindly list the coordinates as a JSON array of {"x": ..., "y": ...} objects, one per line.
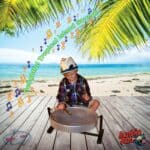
[
  {"x": 61, "y": 94},
  {"x": 87, "y": 88}
]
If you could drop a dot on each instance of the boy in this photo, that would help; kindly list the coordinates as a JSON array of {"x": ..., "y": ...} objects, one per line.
[{"x": 74, "y": 89}]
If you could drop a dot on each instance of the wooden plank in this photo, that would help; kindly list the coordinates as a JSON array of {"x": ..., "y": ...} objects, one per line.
[
  {"x": 78, "y": 141},
  {"x": 123, "y": 123},
  {"x": 143, "y": 110},
  {"x": 62, "y": 141},
  {"x": 92, "y": 140},
  {"x": 21, "y": 119},
  {"x": 30, "y": 123},
  {"x": 117, "y": 102},
  {"x": 39, "y": 128},
  {"x": 144, "y": 99},
  {"x": 126, "y": 101},
  {"x": 5, "y": 114},
  {"x": 17, "y": 112},
  {"x": 111, "y": 128},
  {"x": 47, "y": 140}
]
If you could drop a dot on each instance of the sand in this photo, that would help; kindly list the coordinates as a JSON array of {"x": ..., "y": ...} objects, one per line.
[{"x": 123, "y": 85}]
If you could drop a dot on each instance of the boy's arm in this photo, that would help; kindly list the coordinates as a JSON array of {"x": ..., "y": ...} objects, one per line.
[
  {"x": 87, "y": 96},
  {"x": 61, "y": 94}
]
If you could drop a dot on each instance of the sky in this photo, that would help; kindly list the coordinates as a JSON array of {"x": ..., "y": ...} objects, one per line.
[{"x": 19, "y": 49}]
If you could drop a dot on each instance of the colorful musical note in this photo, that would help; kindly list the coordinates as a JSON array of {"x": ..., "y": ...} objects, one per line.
[
  {"x": 9, "y": 96},
  {"x": 63, "y": 45},
  {"x": 89, "y": 10},
  {"x": 49, "y": 34},
  {"x": 15, "y": 83},
  {"x": 9, "y": 106},
  {"x": 41, "y": 48},
  {"x": 23, "y": 79},
  {"x": 58, "y": 47},
  {"x": 69, "y": 20},
  {"x": 20, "y": 102},
  {"x": 28, "y": 62},
  {"x": 74, "y": 18},
  {"x": 29, "y": 99},
  {"x": 72, "y": 35},
  {"x": 77, "y": 32},
  {"x": 66, "y": 39},
  {"x": 45, "y": 41},
  {"x": 11, "y": 115},
  {"x": 58, "y": 24},
  {"x": 17, "y": 91}
]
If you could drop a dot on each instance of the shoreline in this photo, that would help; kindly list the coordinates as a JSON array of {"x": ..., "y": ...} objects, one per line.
[
  {"x": 87, "y": 77},
  {"x": 137, "y": 84}
]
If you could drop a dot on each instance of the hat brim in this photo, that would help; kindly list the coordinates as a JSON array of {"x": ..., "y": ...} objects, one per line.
[{"x": 69, "y": 70}]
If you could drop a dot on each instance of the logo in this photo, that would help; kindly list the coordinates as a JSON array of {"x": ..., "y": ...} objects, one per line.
[{"x": 135, "y": 136}]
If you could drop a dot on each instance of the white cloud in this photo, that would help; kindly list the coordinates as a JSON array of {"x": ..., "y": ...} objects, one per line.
[{"x": 132, "y": 55}]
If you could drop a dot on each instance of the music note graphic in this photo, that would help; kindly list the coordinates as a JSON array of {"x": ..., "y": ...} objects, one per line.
[
  {"x": 28, "y": 62},
  {"x": 9, "y": 106},
  {"x": 63, "y": 45},
  {"x": 48, "y": 34},
  {"x": 58, "y": 24},
  {"x": 23, "y": 79},
  {"x": 74, "y": 18},
  {"x": 15, "y": 83},
  {"x": 66, "y": 39},
  {"x": 11, "y": 115},
  {"x": 89, "y": 10},
  {"x": 17, "y": 91},
  {"x": 20, "y": 102},
  {"x": 45, "y": 41},
  {"x": 58, "y": 47},
  {"x": 69, "y": 20},
  {"x": 9, "y": 96},
  {"x": 77, "y": 32},
  {"x": 29, "y": 99},
  {"x": 41, "y": 48}
]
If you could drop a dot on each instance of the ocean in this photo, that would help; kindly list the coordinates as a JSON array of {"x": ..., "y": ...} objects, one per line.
[{"x": 51, "y": 71}]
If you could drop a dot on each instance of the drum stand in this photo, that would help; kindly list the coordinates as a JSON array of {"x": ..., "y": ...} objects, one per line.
[{"x": 100, "y": 132}]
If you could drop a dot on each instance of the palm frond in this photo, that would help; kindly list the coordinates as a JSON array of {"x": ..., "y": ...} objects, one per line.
[
  {"x": 16, "y": 15},
  {"x": 122, "y": 23}
]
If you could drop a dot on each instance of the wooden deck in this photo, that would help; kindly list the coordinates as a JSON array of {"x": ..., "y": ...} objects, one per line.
[{"x": 120, "y": 114}]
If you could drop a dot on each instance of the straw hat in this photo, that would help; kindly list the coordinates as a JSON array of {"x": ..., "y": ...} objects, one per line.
[{"x": 67, "y": 65}]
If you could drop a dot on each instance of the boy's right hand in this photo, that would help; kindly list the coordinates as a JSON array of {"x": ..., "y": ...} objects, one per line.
[{"x": 60, "y": 106}]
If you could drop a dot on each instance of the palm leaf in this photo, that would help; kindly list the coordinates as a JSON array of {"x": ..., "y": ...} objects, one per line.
[
  {"x": 122, "y": 23},
  {"x": 16, "y": 15}
]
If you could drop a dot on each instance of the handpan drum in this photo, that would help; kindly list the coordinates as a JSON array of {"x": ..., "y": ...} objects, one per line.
[{"x": 75, "y": 119}]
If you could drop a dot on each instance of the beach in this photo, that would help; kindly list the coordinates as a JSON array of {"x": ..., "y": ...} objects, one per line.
[{"x": 110, "y": 85}]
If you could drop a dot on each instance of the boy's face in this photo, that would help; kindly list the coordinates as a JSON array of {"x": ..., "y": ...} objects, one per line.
[{"x": 71, "y": 76}]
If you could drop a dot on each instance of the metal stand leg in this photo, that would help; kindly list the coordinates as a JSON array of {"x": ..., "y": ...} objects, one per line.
[
  {"x": 50, "y": 129},
  {"x": 101, "y": 131}
]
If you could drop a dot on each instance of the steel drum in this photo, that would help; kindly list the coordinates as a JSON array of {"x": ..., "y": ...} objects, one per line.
[{"x": 75, "y": 119}]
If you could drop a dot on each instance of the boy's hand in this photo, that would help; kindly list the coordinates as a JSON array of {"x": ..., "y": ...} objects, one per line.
[
  {"x": 86, "y": 97},
  {"x": 60, "y": 106}
]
